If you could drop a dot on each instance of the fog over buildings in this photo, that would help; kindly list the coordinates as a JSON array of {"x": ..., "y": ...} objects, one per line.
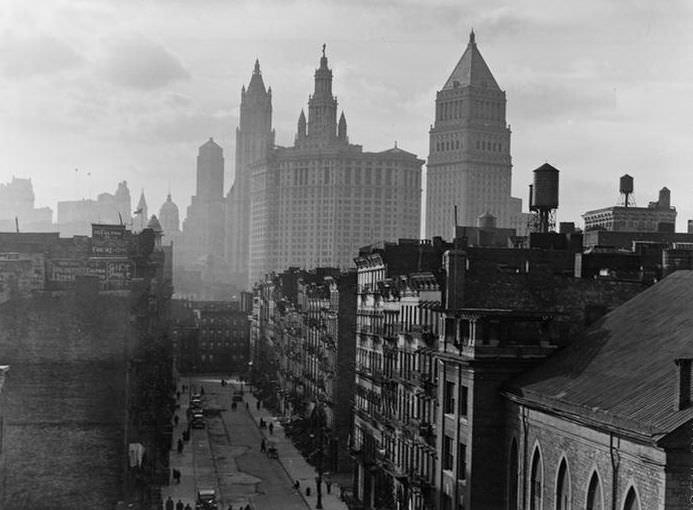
[{"x": 128, "y": 93}]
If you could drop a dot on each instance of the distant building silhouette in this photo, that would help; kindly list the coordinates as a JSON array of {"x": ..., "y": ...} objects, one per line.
[
  {"x": 168, "y": 216},
  {"x": 202, "y": 243},
  {"x": 75, "y": 217},
  {"x": 469, "y": 163},
  {"x": 17, "y": 208},
  {"x": 140, "y": 219}
]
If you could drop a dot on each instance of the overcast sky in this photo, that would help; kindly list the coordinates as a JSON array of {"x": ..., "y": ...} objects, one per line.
[{"x": 128, "y": 90}]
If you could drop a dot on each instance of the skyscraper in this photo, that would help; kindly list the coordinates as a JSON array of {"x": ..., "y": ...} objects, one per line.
[
  {"x": 254, "y": 139},
  {"x": 469, "y": 164},
  {"x": 169, "y": 218},
  {"x": 315, "y": 203},
  {"x": 203, "y": 229}
]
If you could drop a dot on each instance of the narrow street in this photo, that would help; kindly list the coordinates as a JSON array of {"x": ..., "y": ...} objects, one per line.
[{"x": 226, "y": 456}]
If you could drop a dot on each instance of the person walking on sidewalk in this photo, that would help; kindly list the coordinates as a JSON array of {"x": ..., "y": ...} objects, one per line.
[
  {"x": 169, "y": 504},
  {"x": 263, "y": 445},
  {"x": 179, "y": 505},
  {"x": 187, "y": 507},
  {"x": 271, "y": 428},
  {"x": 179, "y": 447},
  {"x": 175, "y": 419}
]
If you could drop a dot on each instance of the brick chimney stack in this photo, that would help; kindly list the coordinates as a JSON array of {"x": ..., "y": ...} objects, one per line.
[{"x": 683, "y": 383}]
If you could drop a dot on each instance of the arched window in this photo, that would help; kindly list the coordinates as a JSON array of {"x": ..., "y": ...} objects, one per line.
[
  {"x": 535, "y": 483},
  {"x": 513, "y": 469},
  {"x": 594, "y": 494},
  {"x": 563, "y": 487},
  {"x": 632, "y": 502}
]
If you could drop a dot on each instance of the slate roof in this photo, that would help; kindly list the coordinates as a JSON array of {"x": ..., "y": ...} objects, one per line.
[
  {"x": 471, "y": 70},
  {"x": 621, "y": 372}
]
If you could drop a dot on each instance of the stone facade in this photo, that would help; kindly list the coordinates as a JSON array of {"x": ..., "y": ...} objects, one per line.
[
  {"x": 469, "y": 166},
  {"x": 315, "y": 203}
]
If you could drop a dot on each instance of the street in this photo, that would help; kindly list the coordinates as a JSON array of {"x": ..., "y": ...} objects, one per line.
[{"x": 226, "y": 456}]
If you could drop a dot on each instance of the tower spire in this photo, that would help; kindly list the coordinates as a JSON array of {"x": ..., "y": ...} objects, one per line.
[
  {"x": 256, "y": 70},
  {"x": 472, "y": 37}
]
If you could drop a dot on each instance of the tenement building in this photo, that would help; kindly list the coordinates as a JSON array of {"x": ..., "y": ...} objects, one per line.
[
  {"x": 303, "y": 361},
  {"x": 315, "y": 203},
  {"x": 469, "y": 169}
]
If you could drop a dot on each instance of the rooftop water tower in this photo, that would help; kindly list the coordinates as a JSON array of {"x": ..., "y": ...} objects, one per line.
[
  {"x": 625, "y": 188},
  {"x": 543, "y": 198}
]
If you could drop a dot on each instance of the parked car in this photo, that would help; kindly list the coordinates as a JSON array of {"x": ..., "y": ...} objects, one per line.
[{"x": 206, "y": 499}]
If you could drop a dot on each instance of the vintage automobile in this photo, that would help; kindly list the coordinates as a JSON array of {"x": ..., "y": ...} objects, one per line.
[
  {"x": 206, "y": 499},
  {"x": 198, "y": 420}
]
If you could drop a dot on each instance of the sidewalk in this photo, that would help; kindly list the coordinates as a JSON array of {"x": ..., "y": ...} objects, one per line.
[
  {"x": 185, "y": 462},
  {"x": 291, "y": 459}
]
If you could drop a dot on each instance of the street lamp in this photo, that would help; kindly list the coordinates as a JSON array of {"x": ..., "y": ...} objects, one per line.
[{"x": 318, "y": 479}]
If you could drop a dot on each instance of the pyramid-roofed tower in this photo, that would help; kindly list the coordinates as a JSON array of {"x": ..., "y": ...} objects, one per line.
[
  {"x": 471, "y": 70},
  {"x": 469, "y": 165}
]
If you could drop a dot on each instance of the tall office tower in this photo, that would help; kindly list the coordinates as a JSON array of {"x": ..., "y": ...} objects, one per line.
[
  {"x": 203, "y": 228},
  {"x": 254, "y": 139},
  {"x": 469, "y": 164},
  {"x": 315, "y": 203}
]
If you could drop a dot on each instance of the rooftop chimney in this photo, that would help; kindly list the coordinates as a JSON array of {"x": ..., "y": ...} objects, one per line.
[{"x": 683, "y": 383}]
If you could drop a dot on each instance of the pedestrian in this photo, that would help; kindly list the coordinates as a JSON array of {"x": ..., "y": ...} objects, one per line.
[
  {"x": 247, "y": 406},
  {"x": 202, "y": 390},
  {"x": 297, "y": 485},
  {"x": 257, "y": 405},
  {"x": 179, "y": 505},
  {"x": 175, "y": 419},
  {"x": 247, "y": 507},
  {"x": 263, "y": 445},
  {"x": 187, "y": 507},
  {"x": 328, "y": 486},
  {"x": 271, "y": 428},
  {"x": 180, "y": 446},
  {"x": 230, "y": 507},
  {"x": 178, "y": 395},
  {"x": 169, "y": 503},
  {"x": 176, "y": 475}
]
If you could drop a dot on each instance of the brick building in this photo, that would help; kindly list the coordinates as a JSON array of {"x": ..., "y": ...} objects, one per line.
[
  {"x": 439, "y": 330},
  {"x": 212, "y": 336},
  {"x": 606, "y": 422}
]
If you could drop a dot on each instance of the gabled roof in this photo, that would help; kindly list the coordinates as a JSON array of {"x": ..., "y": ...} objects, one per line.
[
  {"x": 471, "y": 70},
  {"x": 621, "y": 372}
]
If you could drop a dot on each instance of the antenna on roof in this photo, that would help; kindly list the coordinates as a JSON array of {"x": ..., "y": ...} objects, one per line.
[{"x": 16, "y": 223}]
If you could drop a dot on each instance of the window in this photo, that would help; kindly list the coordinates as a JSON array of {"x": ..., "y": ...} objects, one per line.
[
  {"x": 535, "y": 484},
  {"x": 594, "y": 494},
  {"x": 449, "y": 398},
  {"x": 513, "y": 469},
  {"x": 461, "y": 461},
  {"x": 447, "y": 452},
  {"x": 563, "y": 488},
  {"x": 463, "y": 400},
  {"x": 632, "y": 502}
]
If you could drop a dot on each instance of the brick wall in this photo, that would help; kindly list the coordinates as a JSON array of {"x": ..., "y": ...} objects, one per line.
[
  {"x": 585, "y": 450},
  {"x": 65, "y": 395}
]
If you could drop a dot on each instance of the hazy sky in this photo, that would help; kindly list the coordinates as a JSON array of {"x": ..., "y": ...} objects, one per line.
[{"x": 128, "y": 89}]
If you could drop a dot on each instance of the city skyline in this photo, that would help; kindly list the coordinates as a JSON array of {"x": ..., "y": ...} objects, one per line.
[{"x": 589, "y": 89}]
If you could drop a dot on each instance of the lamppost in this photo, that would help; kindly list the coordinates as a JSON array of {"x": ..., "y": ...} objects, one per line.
[{"x": 318, "y": 479}]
